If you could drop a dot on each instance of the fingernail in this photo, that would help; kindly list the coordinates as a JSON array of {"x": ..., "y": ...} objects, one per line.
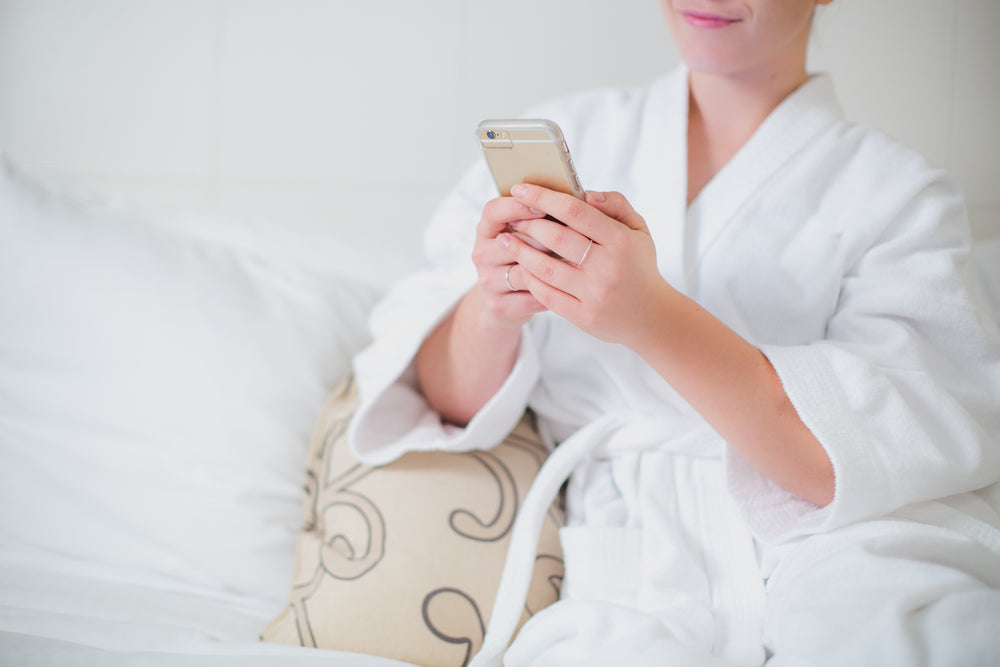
[
  {"x": 536, "y": 211},
  {"x": 504, "y": 240},
  {"x": 518, "y": 190},
  {"x": 515, "y": 225},
  {"x": 596, "y": 196}
]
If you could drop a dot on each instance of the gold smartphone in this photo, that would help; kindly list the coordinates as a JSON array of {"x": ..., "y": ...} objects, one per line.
[{"x": 528, "y": 151}]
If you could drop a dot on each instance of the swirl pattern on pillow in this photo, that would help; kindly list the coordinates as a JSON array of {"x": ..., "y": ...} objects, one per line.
[{"x": 403, "y": 560}]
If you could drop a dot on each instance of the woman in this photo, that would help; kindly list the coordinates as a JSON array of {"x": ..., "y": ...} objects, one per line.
[{"x": 761, "y": 359}]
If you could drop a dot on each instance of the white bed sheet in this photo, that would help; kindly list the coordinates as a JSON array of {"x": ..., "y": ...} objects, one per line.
[{"x": 56, "y": 610}]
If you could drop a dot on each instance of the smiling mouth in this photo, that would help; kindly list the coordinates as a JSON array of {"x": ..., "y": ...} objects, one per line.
[{"x": 710, "y": 21}]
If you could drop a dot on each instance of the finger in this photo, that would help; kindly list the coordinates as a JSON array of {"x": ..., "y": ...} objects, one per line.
[
  {"x": 549, "y": 269},
  {"x": 615, "y": 205},
  {"x": 514, "y": 309},
  {"x": 500, "y": 212},
  {"x": 489, "y": 258},
  {"x": 506, "y": 281},
  {"x": 560, "y": 239},
  {"x": 549, "y": 297},
  {"x": 513, "y": 301},
  {"x": 575, "y": 213},
  {"x": 518, "y": 305},
  {"x": 534, "y": 243}
]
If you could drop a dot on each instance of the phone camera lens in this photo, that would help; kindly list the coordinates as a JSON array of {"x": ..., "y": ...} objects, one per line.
[{"x": 491, "y": 134}]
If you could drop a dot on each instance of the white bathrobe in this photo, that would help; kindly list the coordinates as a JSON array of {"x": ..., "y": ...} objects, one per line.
[{"x": 843, "y": 257}]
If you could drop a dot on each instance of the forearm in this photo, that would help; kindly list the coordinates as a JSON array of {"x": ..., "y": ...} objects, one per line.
[
  {"x": 619, "y": 295},
  {"x": 466, "y": 359},
  {"x": 734, "y": 387}
]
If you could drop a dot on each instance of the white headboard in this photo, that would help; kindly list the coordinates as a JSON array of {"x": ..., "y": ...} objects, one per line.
[{"x": 316, "y": 113}]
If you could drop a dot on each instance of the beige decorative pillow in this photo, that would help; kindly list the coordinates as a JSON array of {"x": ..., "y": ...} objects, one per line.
[{"x": 403, "y": 560}]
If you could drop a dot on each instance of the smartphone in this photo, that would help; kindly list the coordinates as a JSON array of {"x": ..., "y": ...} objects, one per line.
[{"x": 528, "y": 151}]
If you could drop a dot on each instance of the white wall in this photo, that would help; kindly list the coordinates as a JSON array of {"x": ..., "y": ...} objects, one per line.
[{"x": 321, "y": 112}]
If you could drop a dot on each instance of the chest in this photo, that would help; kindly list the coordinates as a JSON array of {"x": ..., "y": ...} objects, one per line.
[{"x": 772, "y": 271}]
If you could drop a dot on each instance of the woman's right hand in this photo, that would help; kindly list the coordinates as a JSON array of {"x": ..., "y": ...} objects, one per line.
[
  {"x": 467, "y": 358},
  {"x": 505, "y": 306}
]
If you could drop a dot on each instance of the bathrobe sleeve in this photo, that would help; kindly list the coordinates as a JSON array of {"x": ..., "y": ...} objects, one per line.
[
  {"x": 903, "y": 390},
  {"x": 393, "y": 417}
]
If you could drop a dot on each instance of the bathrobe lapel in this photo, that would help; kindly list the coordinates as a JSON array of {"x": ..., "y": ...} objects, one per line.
[
  {"x": 683, "y": 234},
  {"x": 660, "y": 169},
  {"x": 787, "y": 130}
]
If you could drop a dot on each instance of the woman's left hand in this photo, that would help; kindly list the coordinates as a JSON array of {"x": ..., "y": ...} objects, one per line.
[{"x": 605, "y": 279}]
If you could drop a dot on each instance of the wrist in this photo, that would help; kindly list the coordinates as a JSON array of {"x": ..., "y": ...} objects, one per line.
[{"x": 660, "y": 316}]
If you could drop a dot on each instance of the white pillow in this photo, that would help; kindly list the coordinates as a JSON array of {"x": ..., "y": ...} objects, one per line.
[{"x": 157, "y": 391}]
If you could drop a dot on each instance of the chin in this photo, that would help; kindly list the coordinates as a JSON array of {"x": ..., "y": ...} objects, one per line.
[
  {"x": 712, "y": 63},
  {"x": 708, "y": 53}
]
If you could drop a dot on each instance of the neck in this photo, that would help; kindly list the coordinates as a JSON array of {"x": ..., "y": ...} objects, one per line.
[
  {"x": 724, "y": 113},
  {"x": 736, "y": 105}
]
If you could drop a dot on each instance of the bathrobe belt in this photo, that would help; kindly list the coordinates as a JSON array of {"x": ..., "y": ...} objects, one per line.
[{"x": 607, "y": 436}]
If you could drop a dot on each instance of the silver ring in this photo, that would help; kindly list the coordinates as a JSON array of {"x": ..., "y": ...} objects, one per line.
[
  {"x": 506, "y": 278},
  {"x": 586, "y": 252}
]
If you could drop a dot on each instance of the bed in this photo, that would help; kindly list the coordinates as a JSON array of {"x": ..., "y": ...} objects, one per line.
[
  {"x": 157, "y": 390},
  {"x": 161, "y": 370}
]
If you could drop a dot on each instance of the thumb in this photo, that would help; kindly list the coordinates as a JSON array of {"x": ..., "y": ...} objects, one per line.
[{"x": 615, "y": 205}]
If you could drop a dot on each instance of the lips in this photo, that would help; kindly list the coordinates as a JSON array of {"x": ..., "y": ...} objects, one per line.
[{"x": 707, "y": 20}]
